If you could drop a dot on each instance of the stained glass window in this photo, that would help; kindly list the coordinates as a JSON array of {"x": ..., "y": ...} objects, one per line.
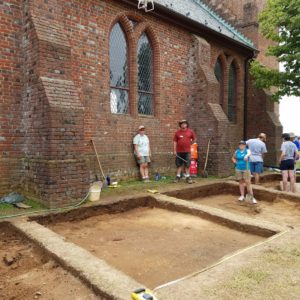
[
  {"x": 118, "y": 71},
  {"x": 219, "y": 76},
  {"x": 145, "y": 76},
  {"x": 232, "y": 94}
]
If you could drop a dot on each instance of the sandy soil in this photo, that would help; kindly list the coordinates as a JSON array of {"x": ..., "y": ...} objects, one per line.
[
  {"x": 276, "y": 186},
  {"x": 281, "y": 212},
  {"x": 268, "y": 272},
  {"x": 25, "y": 273},
  {"x": 154, "y": 246},
  {"x": 272, "y": 184}
]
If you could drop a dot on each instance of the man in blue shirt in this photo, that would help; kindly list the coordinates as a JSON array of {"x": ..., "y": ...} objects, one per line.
[{"x": 295, "y": 140}]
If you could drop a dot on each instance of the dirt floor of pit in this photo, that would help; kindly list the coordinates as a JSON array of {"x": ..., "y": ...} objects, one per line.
[
  {"x": 154, "y": 246},
  {"x": 25, "y": 273},
  {"x": 282, "y": 212}
]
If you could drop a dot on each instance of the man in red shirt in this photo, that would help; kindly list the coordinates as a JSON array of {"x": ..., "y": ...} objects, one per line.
[{"x": 183, "y": 139}]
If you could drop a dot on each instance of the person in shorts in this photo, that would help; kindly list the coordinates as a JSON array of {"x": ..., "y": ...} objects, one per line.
[
  {"x": 257, "y": 148},
  {"x": 242, "y": 170},
  {"x": 289, "y": 153},
  {"x": 182, "y": 141},
  {"x": 142, "y": 152}
]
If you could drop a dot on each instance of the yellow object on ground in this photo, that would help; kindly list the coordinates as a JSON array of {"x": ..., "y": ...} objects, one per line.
[
  {"x": 143, "y": 294},
  {"x": 114, "y": 186},
  {"x": 152, "y": 191}
]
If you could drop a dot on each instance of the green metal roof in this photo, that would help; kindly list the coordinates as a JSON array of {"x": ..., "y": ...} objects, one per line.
[{"x": 199, "y": 12}]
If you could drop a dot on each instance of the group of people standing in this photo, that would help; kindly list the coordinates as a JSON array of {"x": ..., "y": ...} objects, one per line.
[
  {"x": 182, "y": 141},
  {"x": 248, "y": 158}
]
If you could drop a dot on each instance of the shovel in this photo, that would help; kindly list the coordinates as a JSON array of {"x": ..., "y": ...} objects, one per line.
[
  {"x": 204, "y": 172},
  {"x": 99, "y": 163}
]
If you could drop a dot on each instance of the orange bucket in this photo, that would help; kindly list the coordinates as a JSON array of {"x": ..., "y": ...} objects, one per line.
[{"x": 194, "y": 151}]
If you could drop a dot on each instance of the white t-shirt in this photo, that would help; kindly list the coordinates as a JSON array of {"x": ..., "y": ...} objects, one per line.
[
  {"x": 289, "y": 149},
  {"x": 142, "y": 143},
  {"x": 257, "y": 148}
]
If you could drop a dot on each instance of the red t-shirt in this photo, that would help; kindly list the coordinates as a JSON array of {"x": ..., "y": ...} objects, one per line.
[{"x": 184, "y": 138}]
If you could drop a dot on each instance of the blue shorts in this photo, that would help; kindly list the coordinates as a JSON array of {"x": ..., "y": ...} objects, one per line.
[{"x": 257, "y": 167}]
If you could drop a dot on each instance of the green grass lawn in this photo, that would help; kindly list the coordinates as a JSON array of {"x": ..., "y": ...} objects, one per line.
[
  {"x": 9, "y": 209},
  {"x": 137, "y": 185},
  {"x": 125, "y": 188}
]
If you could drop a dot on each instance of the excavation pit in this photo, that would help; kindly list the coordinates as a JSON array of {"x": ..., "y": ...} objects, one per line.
[
  {"x": 26, "y": 272},
  {"x": 148, "y": 243},
  {"x": 273, "y": 181},
  {"x": 273, "y": 206}
]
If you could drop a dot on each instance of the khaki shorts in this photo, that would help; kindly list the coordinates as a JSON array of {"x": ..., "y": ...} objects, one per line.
[
  {"x": 143, "y": 160},
  {"x": 245, "y": 175}
]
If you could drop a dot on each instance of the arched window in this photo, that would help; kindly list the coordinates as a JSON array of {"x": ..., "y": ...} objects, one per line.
[
  {"x": 219, "y": 76},
  {"x": 232, "y": 94},
  {"x": 145, "y": 76},
  {"x": 119, "y": 83}
]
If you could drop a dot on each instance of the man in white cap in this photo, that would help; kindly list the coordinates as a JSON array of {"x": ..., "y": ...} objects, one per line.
[{"x": 142, "y": 152}]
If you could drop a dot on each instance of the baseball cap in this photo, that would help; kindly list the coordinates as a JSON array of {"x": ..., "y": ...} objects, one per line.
[
  {"x": 141, "y": 127},
  {"x": 183, "y": 121},
  {"x": 242, "y": 142},
  {"x": 286, "y": 136},
  {"x": 292, "y": 135}
]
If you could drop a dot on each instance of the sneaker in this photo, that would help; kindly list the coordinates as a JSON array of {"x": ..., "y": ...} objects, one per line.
[
  {"x": 254, "y": 201},
  {"x": 189, "y": 180},
  {"x": 242, "y": 198},
  {"x": 177, "y": 179}
]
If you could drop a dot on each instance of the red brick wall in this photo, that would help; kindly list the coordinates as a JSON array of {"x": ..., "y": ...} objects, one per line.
[
  {"x": 66, "y": 96},
  {"x": 204, "y": 110},
  {"x": 10, "y": 93},
  {"x": 263, "y": 114},
  {"x": 172, "y": 64}
]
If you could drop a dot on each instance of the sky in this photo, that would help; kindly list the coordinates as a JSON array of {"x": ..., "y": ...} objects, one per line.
[{"x": 289, "y": 114}]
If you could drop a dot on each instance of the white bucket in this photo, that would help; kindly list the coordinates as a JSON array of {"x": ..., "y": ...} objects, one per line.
[{"x": 95, "y": 191}]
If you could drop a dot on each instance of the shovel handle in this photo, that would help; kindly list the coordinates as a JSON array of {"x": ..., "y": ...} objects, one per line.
[
  {"x": 181, "y": 158},
  {"x": 99, "y": 163},
  {"x": 207, "y": 151}
]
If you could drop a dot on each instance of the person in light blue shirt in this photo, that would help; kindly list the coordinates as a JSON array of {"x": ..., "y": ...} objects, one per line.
[
  {"x": 258, "y": 149},
  {"x": 289, "y": 153},
  {"x": 242, "y": 170}
]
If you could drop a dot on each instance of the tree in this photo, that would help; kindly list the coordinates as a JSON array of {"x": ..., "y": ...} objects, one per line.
[{"x": 280, "y": 22}]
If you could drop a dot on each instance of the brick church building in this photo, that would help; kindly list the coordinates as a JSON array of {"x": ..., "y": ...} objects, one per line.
[{"x": 72, "y": 71}]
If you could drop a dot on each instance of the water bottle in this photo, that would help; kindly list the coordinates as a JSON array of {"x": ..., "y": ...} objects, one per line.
[
  {"x": 157, "y": 176},
  {"x": 108, "y": 180}
]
